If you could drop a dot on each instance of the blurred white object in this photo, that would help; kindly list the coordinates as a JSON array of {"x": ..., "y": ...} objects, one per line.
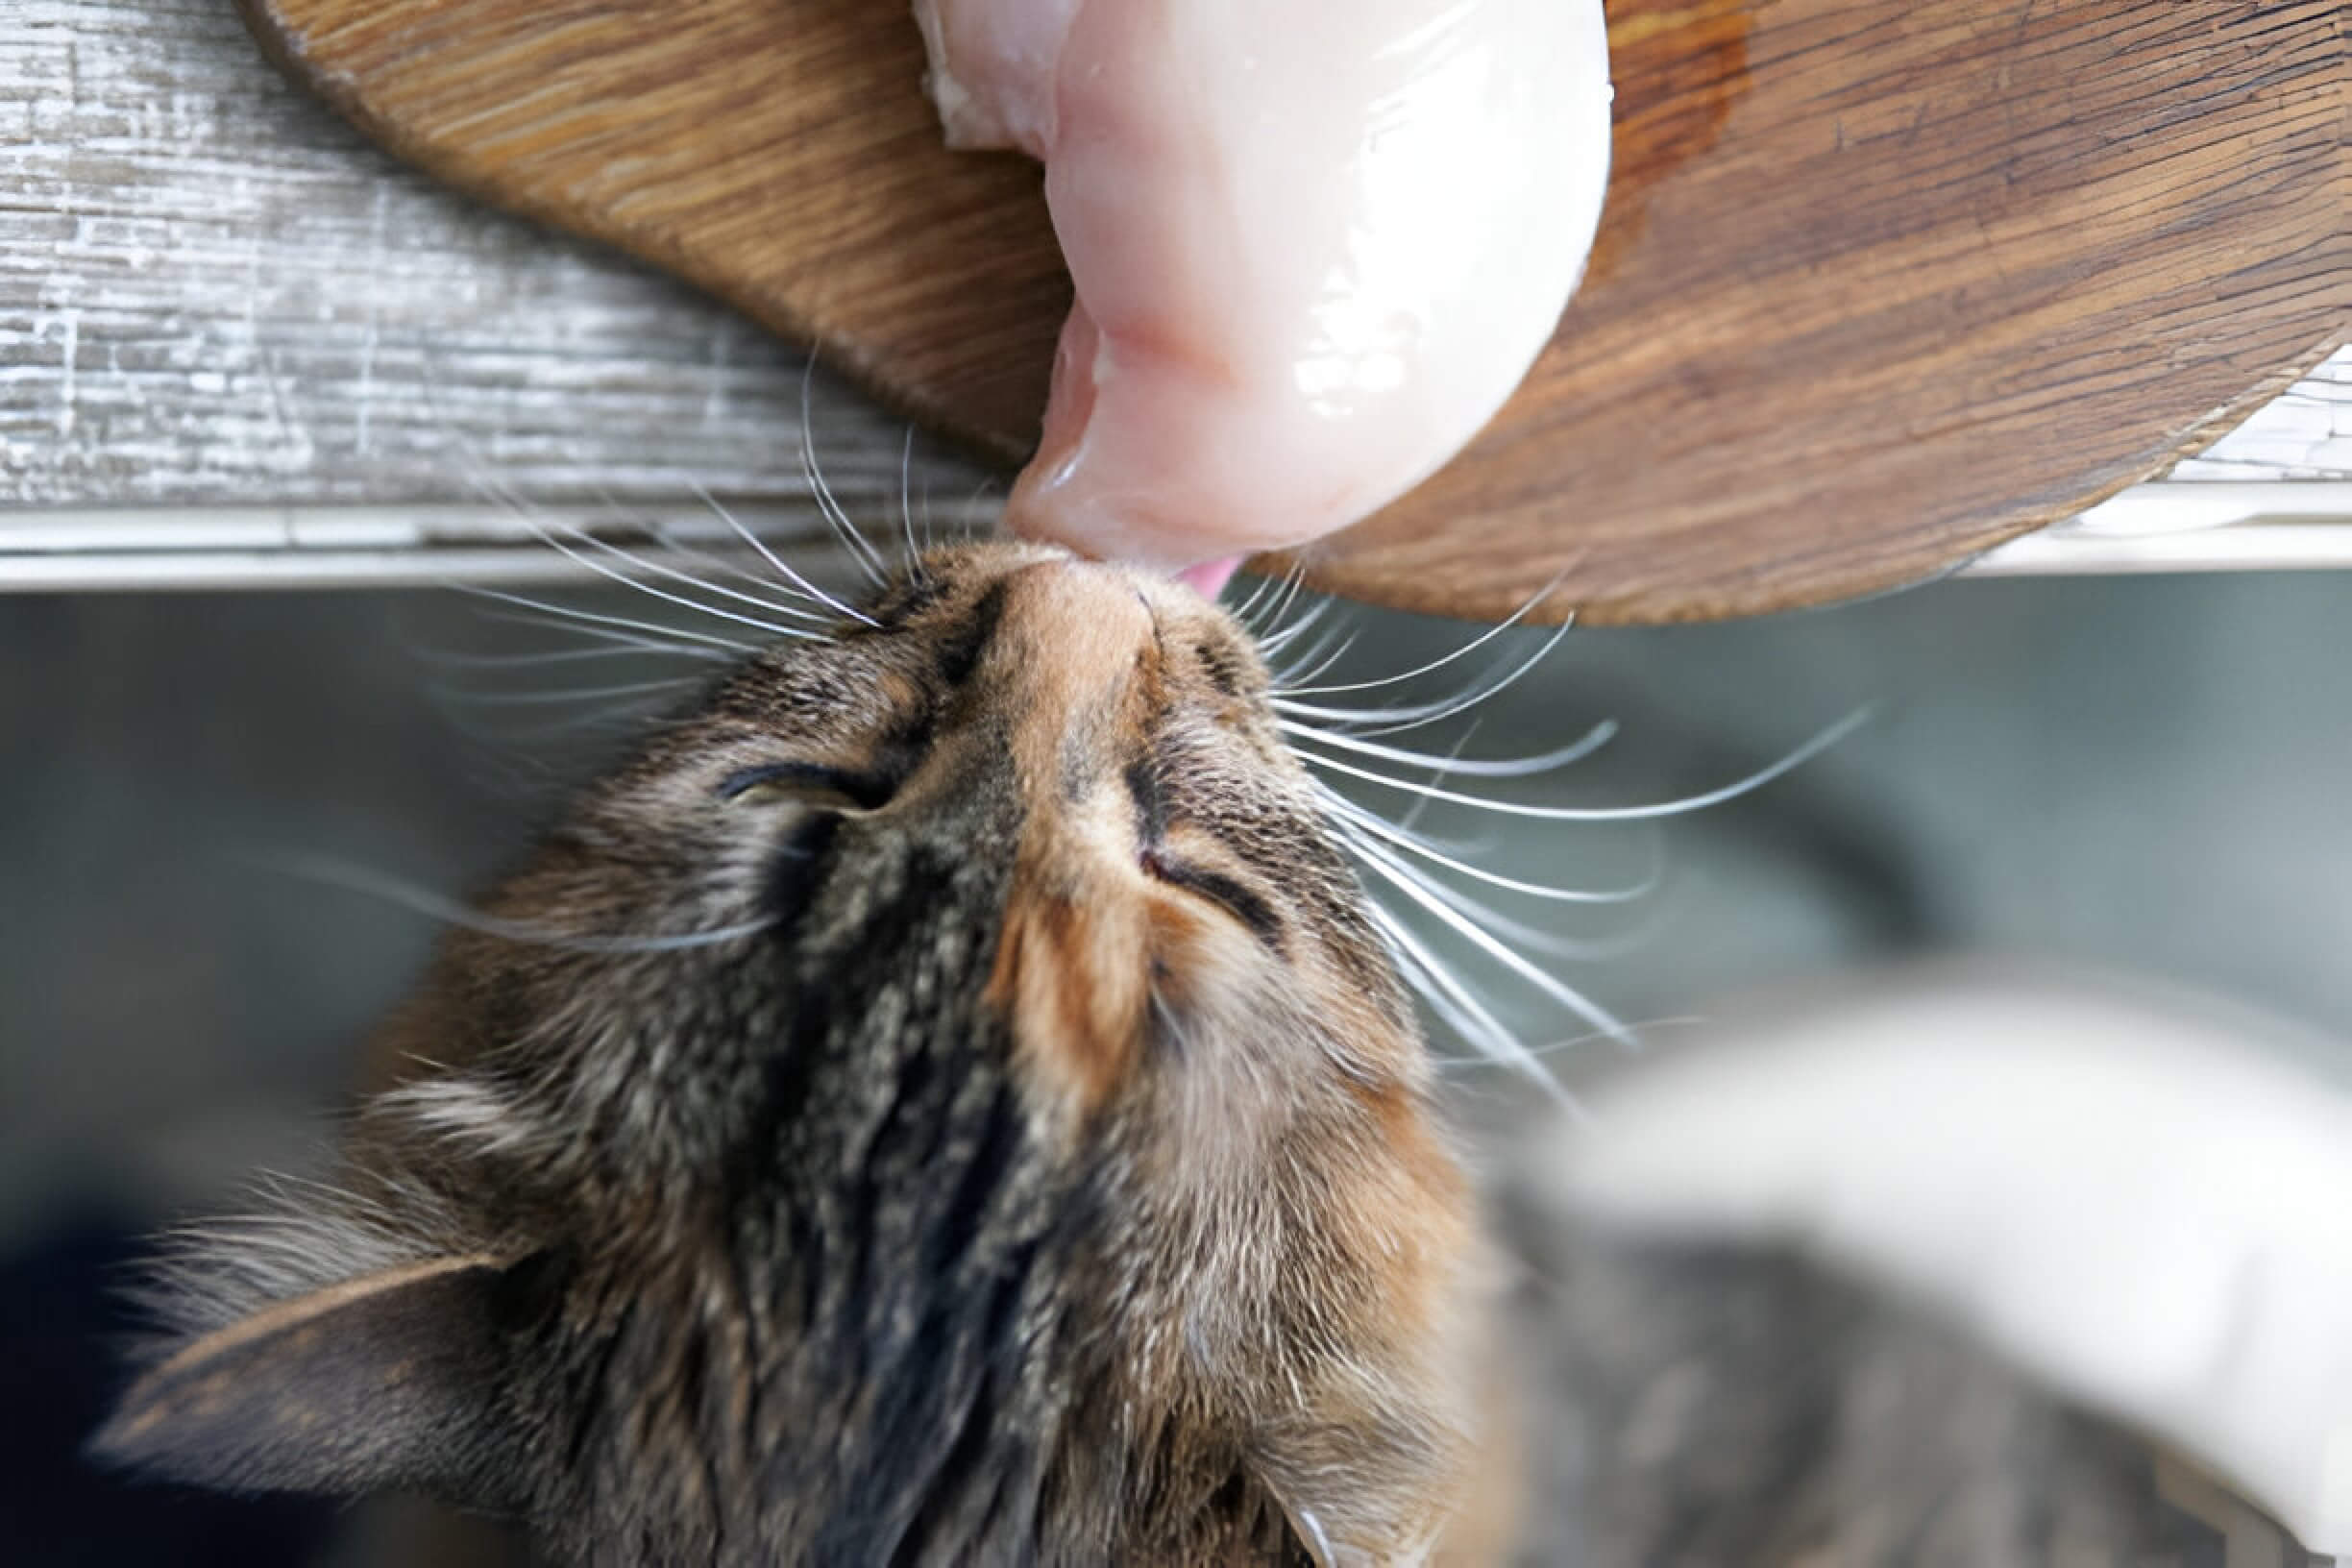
[
  {"x": 1316, "y": 243},
  {"x": 2136, "y": 1198}
]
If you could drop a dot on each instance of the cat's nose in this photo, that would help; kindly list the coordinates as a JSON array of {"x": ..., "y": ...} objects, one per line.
[
  {"x": 1072, "y": 639},
  {"x": 1075, "y": 596},
  {"x": 1070, "y": 671}
]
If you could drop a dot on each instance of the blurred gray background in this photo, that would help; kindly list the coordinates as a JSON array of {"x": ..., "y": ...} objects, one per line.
[{"x": 2147, "y": 773}]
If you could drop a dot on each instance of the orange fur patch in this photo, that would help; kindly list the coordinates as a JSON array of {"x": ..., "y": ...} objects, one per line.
[
  {"x": 1074, "y": 978},
  {"x": 1071, "y": 970}
]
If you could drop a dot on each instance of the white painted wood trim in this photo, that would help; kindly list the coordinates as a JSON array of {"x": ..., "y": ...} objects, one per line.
[
  {"x": 53, "y": 549},
  {"x": 2188, "y": 525}
]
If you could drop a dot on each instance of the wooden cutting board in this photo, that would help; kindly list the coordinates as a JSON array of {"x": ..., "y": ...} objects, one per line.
[{"x": 1881, "y": 282}]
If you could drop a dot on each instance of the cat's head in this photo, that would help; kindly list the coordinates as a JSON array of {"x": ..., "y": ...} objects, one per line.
[{"x": 942, "y": 1099}]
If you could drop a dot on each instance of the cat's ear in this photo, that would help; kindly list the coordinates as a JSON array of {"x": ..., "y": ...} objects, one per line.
[{"x": 388, "y": 1380}]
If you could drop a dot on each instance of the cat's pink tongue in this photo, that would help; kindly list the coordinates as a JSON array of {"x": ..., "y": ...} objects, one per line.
[
  {"x": 1316, "y": 244},
  {"x": 1209, "y": 578}
]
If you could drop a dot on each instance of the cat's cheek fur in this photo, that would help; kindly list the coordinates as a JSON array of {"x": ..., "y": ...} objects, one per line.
[
  {"x": 1069, "y": 976},
  {"x": 1338, "y": 1195},
  {"x": 1379, "y": 1445}
]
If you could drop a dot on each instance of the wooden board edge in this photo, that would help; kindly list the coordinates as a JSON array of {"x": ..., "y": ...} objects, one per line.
[{"x": 1367, "y": 584}]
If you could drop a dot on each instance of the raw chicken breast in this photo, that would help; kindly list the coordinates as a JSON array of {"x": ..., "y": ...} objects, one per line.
[{"x": 1316, "y": 243}]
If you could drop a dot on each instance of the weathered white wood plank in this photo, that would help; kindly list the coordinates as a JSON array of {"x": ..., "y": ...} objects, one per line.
[
  {"x": 214, "y": 293},
  {"x": 2304, "y": 435},
  {"x": 212, "y": 290}
]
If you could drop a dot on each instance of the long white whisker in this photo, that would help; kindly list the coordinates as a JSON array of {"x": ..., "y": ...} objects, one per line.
[
  {"x": 1489, "y": 1035},
  {"x": 1552, "y": 1048},
  {"x": 1412, "y": 843},
  {"x": 525, "y": 512},
  {"x": 860, "y": 551},
  {"x": 1732, "y": 790},
  {"x": 773, "y": 559},
  {"x": 1477, "y": 695},
  {"x": 487, "y": 481},
  {"x": 906, "y": 504},
  {"x": 1529, "y": 938},
  {"x": 1269, "y": 647},
  {"x": 450, "y": 658},
  {"x": 567, "y": 612},
  {"x": 979, "y": 494},
  {"x": 930, "y": 529},
  {"x": 1494, "y": 947},
  {"x": 628, "y": 580},
  {"x": 1438, "y": 776},
  {"x": 1292, "y": 586},
  {"x": 541, "y": 699},
  {"x": 666, "y": 537},
  {"x": 1271, "y": 613},
  {"x": 629, "y": 720},
  {"x": 1248, "y": 606},
  {"x": 1435, "y": 985},
  {"x": 1473, "y": 1033},
  {"x": 1279, "y": 605},
  {"x": 609, "y": 641},
  {"x": 1464, "y": 652},
  {"x": 1396, "y": 720},
  {"x": 1542, "y": 762},
  {"x": 1332, "y": 647},
  {"x": 467, "y": 714},
  {"x": 359, "y": 879},
  {"x": 620, "y": 716},
  {"x": 640, "y": 563}
]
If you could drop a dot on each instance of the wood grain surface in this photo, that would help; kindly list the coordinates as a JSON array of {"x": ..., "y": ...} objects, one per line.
[{"x": 1882, "y": 281}]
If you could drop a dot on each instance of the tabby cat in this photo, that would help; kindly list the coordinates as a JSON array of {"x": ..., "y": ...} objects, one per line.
[{"x": 945, "y": 1099}]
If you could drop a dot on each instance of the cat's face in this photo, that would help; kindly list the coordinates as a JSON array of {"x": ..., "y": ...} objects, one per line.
[
  {"x": 962, "y": 1111},
  {"x": 1079, "y": 763}
]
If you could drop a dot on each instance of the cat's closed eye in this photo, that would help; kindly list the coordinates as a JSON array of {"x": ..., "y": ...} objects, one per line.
[
  {"x": 1226, "y": 892},
  {"x": 807, "y": 783}
]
